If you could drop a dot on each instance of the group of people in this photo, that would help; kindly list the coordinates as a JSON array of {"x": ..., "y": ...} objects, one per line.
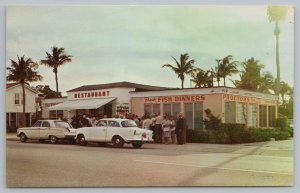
[
  {"x": 165, "y": 129},
  {"x": 84, "y": 120}
]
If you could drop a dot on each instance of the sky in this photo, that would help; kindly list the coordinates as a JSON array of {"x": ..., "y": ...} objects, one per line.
[{"x": 131, "y": 43}]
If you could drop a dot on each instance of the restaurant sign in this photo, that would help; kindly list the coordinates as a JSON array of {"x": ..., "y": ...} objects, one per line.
[
  {"x": 175, "y": 99},
  {"x": 91, "y": 94}
]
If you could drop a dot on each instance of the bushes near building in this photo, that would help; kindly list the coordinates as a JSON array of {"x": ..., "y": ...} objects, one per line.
[{"x": 233, "y": 133}]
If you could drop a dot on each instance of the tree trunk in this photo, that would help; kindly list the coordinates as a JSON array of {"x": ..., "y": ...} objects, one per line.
[
  {"x": 277, "y": 32},
  {"x": 224, "y": 80},
  {"x": 182, "y": 83},
  {"x": 56, "y": 81},
  {"x": 23, "y": 124}
]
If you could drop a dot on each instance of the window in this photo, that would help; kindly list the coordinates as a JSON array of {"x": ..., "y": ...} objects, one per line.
[
  {"x": 129, "y": 123},
  {"x": 17, "y": 98},
  {"x": 175, "y": 110},
  {"x": 148, "y": 109},
  {"x": 230, "y": 112},
  {"x": 271, "y": 117},
  {"x": 252, "y": 115},
  {"x": 188, "y": 112},
  {"x": 198, "y": 115},
  {"x": 113, "y": 124},
  {"x": 151, "y": 109},
  {"x": 167, "y": 109},
  {"x": 171, "y": 109},
  {"x": 241, "y": 109},
  {"x": 101, "y": 123},
  {"x": 156, "y": 108},
  {"x": 194, "y": 115},
  {"x": 45, "y": 124},
  {"x": 37, "y": 124},
  {"x": 56, "y": 114},
  {"x": 262, "y": 115},
  {"x": 62, "y": 124}
]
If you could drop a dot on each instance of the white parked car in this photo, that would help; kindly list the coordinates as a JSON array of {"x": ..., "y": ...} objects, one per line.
[
  {"x": 52, "y": 130},
  {"x": 116, "y": 131}
]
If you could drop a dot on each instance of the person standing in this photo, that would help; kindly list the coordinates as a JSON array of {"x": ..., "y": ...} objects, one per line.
[
  {"x": 146, "y": 122},
  {"x": 158, "y": 128},
  {"x": 172, "y": 129},
  {"x": 181, "y": 129},
  {"x": 166, "y": 129}
]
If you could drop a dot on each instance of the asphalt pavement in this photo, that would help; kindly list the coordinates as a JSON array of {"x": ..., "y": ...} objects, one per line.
[{"x": 34, "y": 164}]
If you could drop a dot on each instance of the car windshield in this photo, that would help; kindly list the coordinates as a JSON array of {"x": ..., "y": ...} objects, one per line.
[
  {"x": 128, "y": 123},
  {"x": 62, "y": 124}
]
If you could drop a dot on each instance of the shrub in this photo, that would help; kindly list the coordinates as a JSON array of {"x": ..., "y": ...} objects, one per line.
[
  {"x": 211, "y": 122},
  {"x": 282, "y": 123}
]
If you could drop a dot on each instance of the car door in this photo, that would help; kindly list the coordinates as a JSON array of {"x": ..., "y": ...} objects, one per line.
[
  {"x": 113, "y": 128},
  {"x": 34, "y": 131},
  {"x": 99, "y": 132},
  {"x": 44, "y": 130}
]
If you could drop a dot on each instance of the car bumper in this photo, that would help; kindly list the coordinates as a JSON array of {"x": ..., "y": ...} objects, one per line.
[{"x": 70, "y": 136}]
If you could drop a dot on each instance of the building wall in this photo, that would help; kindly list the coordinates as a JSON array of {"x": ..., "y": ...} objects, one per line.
[
  {"x": 46, "y": 103},
  {"x": 214, "y": 102},
  {"x": 10, "y": 100}
]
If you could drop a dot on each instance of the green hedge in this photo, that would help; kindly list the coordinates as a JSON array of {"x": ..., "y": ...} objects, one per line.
[
  {"x": 282, "y": 123},
  {"x": 234, "y": 134}
]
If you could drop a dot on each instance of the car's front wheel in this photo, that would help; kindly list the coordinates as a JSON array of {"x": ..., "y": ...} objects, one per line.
[
  {"x": 23, "y": 137},
  {"x": 82, "y": 141},
  {"x": 53, "y": 139},
  {"x": 137, "y": 144},
  {"x": 118, "y": 141}
]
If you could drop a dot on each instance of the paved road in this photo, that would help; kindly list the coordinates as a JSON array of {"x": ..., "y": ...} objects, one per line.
[{"x": 45, "y": 165}]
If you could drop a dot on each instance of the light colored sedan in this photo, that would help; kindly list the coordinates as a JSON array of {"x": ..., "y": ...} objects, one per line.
[
  {"x": 52, "y": 130},
  {"x": 116, "y": 131}
]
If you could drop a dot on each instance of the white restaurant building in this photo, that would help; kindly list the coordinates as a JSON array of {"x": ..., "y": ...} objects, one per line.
[
  {"x": 232, "y": 105},
  {"x": 98, "y": 100}
]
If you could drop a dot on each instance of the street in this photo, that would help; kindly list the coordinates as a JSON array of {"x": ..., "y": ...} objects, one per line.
[{"x": 34, "y": 164}]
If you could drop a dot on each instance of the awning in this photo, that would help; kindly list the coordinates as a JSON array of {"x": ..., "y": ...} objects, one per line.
[{"x": 81, "y": 104}]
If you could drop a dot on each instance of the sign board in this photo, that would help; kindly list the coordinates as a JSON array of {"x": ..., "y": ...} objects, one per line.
[{"x": 175, "y": 99}]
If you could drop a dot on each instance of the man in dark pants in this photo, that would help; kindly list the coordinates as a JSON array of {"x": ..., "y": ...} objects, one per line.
[
  {"x": 181, "y": 129},
  {"x": 158, "y": 129}
]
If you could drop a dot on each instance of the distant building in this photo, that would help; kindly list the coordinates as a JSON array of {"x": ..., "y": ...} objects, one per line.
[
  {"x": 100, "y": 100},
  {"x": 14, "y": 105}
]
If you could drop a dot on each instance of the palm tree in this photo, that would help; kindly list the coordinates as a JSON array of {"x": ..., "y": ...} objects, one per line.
[
  {"x": 217, "y": 72},
  {"x": 23, "y": 72},
  {"x": 277, "y": 14},
  {"x": 56, "y": 59},
  {"x": 227, "y": 67},
  {"x": 185, "y": 66},
  {"x": 201, "y": 78},
  {"x": 284, "y": 89}
]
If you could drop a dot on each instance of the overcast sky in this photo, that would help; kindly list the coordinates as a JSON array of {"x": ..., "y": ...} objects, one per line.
[{"x": 131, "y": 43}]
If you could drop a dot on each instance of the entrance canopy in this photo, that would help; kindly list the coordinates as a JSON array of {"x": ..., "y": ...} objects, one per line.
[{"x": 81, "y": 104}]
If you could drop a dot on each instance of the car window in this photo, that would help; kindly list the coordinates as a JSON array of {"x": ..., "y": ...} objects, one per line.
[
  {"x": 37, "y": 124},
  {"x": 46, "y": 124},
  {"x": 101, "y": 123},
  {"x": 128, "y": 123},
  {"x": 62, "y": 124},
  {"x": 113, "y": 124}
]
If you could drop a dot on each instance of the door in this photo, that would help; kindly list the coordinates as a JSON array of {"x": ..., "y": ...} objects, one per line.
[
  {"x": 44, "y": 130},
  {"x": 99, "y": 132},
  {"x": 108, "y": 110},
  {"x": 113, "y": 127},
  {"x": 34, "y": 131}
]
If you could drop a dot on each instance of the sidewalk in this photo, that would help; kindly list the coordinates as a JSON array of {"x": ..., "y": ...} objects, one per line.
[{"x": 12, "y": 136}]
